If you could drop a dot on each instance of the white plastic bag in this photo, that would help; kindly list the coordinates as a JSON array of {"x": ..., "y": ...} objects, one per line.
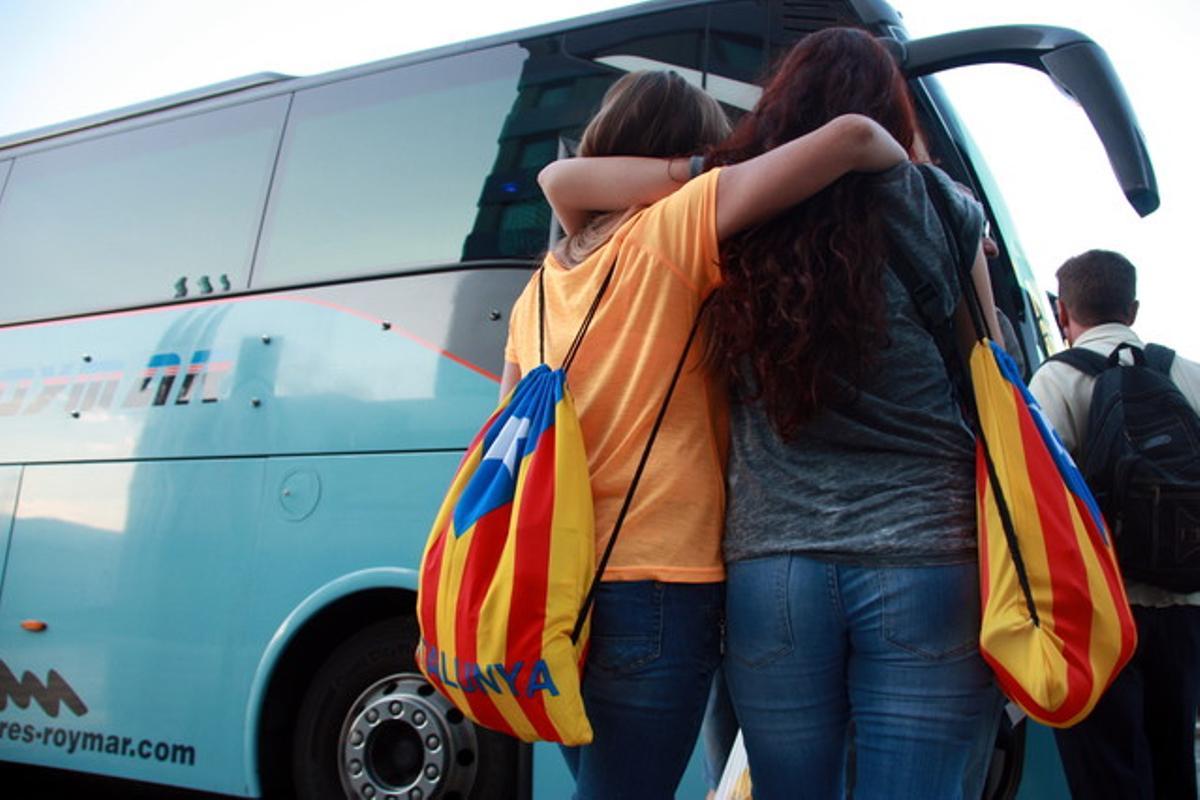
[{"x": 735, "y": 780}]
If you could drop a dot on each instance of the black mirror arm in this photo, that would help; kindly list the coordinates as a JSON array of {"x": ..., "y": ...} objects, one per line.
[{"x": 1076, "y": 64}]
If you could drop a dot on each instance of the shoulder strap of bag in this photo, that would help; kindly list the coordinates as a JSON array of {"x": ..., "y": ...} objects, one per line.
[
  {"x": 927, "y": 297},
  {"x": 583, "y": 326},
  {"x": 1156, "y": 357},
  {"x": 1159, "y": 358},
  {"x": 928, "y": 301},
  {"x": 590, "y": 599},
  {"x": 963, "y": 262},
  {"x": 960, "y": 375},
  {"x": 1086, "y": 361}
]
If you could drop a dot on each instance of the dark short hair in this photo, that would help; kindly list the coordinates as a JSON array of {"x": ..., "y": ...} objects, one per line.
[{"x": 1098, "y": 286}]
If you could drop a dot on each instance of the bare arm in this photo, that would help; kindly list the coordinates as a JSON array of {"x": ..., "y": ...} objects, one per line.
[
  {"x": 962, "y": 316},
  {"x": 747, "y": 193},
  {"x": 509, "y": 378},
  {"x": 575, "y": 187},
  {"x": 756, "y": 190}
]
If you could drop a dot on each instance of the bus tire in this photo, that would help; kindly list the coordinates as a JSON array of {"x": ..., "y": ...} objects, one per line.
[{"x": 370, "y": 725}]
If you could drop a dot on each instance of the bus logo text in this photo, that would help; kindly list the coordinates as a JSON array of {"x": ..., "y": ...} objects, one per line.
[
  {"x": 48, "y": 695},
  {"x": 166, "y": 379}
]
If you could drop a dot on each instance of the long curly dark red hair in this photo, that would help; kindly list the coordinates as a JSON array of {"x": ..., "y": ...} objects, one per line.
[{"x": 801, "y": 314}]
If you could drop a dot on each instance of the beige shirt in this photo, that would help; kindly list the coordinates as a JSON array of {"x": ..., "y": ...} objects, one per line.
[{"x": 1065, "y": 395}]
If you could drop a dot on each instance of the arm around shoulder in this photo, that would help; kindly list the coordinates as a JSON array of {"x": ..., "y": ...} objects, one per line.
[
  {"x": 576, "y": 187},
  {"x": 756, "y": 190}
]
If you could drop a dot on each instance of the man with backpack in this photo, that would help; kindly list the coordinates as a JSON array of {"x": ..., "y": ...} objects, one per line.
[{"x": 1127, "y": 413}]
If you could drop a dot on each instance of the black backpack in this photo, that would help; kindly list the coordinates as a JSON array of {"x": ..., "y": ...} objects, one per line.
[{"x": 1141, "y": 458}]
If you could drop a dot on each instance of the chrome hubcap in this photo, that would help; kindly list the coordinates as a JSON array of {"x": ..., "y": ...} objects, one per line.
[{"x": 401, "y": 740}]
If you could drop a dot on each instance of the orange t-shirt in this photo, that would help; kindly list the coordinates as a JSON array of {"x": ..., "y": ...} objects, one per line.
[{"x": 666, "y": 264}]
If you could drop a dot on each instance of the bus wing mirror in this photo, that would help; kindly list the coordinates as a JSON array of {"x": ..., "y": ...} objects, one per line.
[{"x": 1076, "y": 64}]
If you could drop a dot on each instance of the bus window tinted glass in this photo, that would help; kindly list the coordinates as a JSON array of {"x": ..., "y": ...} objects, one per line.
[
  {"x": 388, "y": 170},
  {"x": 720, "y": 49},
  {"x": 139, "y": 216},
  {"x": 673, "y": 39},
  {"x": 737, "y": 41}
]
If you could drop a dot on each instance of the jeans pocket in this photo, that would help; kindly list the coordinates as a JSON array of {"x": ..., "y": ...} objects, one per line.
[
  {"x": 757, "y": 628},
  {"x": 932, "y": 612},
  {"x": 626, "y": 626}
]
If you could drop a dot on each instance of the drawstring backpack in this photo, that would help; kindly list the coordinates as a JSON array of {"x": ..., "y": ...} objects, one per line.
[
  {"x": 509, "y": 573},
  {"x": 1056, "y": 625}
]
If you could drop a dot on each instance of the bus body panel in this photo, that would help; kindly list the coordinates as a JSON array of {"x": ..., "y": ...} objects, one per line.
[
  {"x": 254, "y": 538},
  {"x": 137, "y": 646},
  {"x": 250, "y": 375},
  {"x": 112, "y": 684},
  {"x": 1042, "y": 776},
  {"x": 328, "y": 520}
]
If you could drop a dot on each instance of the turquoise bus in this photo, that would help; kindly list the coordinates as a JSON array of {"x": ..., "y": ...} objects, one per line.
[{"x": 245, "y": 334}]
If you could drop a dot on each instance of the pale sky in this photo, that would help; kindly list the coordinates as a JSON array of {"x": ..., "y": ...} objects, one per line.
[{"x": 69, "y": 58}]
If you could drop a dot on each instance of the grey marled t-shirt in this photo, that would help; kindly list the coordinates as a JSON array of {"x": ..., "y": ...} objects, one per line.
[{"x": 889, "y": 478}]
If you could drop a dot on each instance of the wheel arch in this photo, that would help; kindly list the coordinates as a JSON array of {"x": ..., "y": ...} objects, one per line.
[{"x": 324, "y": 619}]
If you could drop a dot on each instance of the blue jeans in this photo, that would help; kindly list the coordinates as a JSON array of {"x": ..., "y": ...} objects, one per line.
[
  {"x": 654, "y": 648},
  {"x": 861, "y": 675}
]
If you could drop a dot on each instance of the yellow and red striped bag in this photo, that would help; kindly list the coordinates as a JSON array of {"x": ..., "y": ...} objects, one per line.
[
  {"x": 1057, "y": 627},
  {"x": 509, "y": 573},
  {"x": 507, "y": 568}
]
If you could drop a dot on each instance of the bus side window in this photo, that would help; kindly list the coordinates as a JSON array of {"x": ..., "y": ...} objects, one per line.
[
  {"x": 115, "y": 220},
  {"x": 671, "y": 39},
  {"x": 718, "y": 48}
]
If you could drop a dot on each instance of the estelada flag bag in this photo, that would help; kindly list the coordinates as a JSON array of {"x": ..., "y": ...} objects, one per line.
[
  {"x": 509, "y": 573},
  {"x": 1056, "y": 625}
]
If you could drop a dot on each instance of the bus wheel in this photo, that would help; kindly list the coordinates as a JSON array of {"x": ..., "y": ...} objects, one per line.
[{"x": 371, "y": 726}]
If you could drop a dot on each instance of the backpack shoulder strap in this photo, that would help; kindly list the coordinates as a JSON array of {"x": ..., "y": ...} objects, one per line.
[
  {"x": 590, "y": 599},
  {"x": 1086, "y": 361},
  {"x": 1159, "y": 358}
]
